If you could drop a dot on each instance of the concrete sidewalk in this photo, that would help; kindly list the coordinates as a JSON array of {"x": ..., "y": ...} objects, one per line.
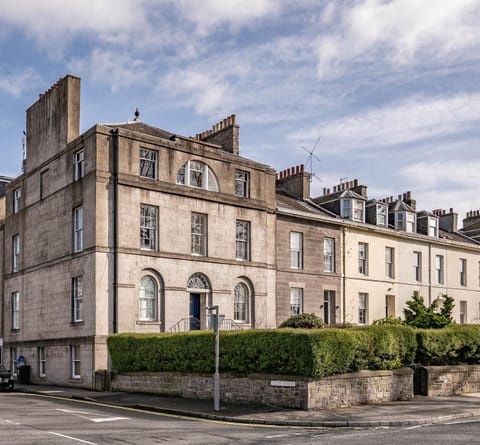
[{"x": 421, "y": 410}]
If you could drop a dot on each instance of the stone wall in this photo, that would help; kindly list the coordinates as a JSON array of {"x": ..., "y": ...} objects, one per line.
[
  {"x": 453, "y": 380},
  {"x": 365, "y": 387}
]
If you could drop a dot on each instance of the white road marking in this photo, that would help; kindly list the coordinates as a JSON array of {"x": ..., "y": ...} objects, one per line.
[
  {"x": 414, "y": 427},
  {"x": 109, "y": 419},
  {"x": 73, "y": 438},
  {"x": 88, "y": 416},
  {"x": 12, "y": 422},
  {"x": 50, "y": 392},
  {"x": 462, "y": 421}
]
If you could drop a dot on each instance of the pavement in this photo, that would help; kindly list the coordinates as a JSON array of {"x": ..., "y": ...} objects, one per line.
[{"x": 419, "y": 411}]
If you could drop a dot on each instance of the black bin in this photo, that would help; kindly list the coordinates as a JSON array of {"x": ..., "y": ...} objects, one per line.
[{"x": 24, "y": 375}]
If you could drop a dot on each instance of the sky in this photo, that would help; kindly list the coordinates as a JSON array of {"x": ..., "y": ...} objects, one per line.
[{"x": 387, "y": 92}]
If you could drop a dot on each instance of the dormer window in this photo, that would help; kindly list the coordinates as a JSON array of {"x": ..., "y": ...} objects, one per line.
[
  {"x": 197, "y": 174},
  {"x": 432, "y": 226},
  {"x": 352, "y": 209},
  {"x": 381, "y": 215},
  {"x": 405, "y": 221}
]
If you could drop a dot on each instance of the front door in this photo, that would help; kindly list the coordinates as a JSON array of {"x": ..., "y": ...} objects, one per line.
[{"x": 194, "y": 312}]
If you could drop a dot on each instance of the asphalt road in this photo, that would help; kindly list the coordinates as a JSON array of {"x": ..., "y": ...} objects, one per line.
[{"x": 33, "y": 419}]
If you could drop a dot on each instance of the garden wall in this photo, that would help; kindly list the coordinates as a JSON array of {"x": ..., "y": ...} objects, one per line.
[{"x": 364, "y": 387}]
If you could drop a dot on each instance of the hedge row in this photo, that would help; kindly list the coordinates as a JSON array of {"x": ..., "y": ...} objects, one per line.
[
  {"x": 308, "y": 353},
  {"x": 448, "y": 346}
]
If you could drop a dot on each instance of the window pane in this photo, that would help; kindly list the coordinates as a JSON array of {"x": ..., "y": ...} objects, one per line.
[
  {"x": 199, "y": 234},
  {"x": 242, "y": 183},
  {"x": 329, "y": 255},
  {"x": 242, "y": 240},
  {"x": 296, "y": 300},
  {"x": 296, "y": 250},
  {"x": 148, "y": 163},
  {"x": 148, "y": 227},
  {"x": 240, "y": 304},
  {"x": 148, "y": 299}
]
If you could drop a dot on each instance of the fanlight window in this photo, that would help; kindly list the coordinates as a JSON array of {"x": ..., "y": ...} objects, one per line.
[
  {"x": 197, "y": 174},
  {"x": 198, "y": 281}
]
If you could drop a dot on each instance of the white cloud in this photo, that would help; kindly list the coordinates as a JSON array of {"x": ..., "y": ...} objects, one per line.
[
  {"x": 409, "y": 121},
  {"x": 448, "y": 183},
  {"x": 114, "y": 69},
  {"x": 400, "y": 32},
  {"x": 205, "y": 91},
  {"x": 208, "y": 14},
  {"x": 51, "y": 17},
  {"x": 15, "y": 84}
]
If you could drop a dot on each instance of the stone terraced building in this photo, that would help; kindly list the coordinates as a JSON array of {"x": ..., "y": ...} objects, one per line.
[{"x": 130, "y": 228}]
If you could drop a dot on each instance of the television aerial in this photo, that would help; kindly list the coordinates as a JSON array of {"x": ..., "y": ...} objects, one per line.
[{"x": 311, "y": 157}]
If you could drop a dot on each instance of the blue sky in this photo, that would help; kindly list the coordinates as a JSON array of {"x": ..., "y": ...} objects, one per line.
[{"x": 392, "y": 88}]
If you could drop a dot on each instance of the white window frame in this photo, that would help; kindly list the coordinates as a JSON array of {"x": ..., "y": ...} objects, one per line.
[
  {"x": 351, "y": 208},
  {"x": 329, "y": 254},
  {"x": 363, "y": 258},
  {"x": 15, "y": 253},
  {"x": 199, "y": 234},
  {"x": 296, "y": 250},
  {"x": 75, "y": 362},
  {"x": 242, "y": 183},
  {"x": 78, "y": 229},
  {"x": 363, "y": 308},
  {"x": 440, "y": 269},
  {"x": 41, "y": 361},
  {"x": 381, "y": 215},
  {"x": 358, "y": 210},
  {"x": 78, "y": 164},
  {"x": 15, "y": 311},
  {"x": 296, "y": 300},
  {"x": 17, "y": 200},
  {"x": 77, "y": 299},
  {"x": 148, "y": 163},
  {"x": 433, "y": 226},
  {"x": 148, "y": 299},
  {"x": 148, "y": 227},
  {"x": 241, "y": 303},
  {"x": 197, "y": 174},
  {"x": 13, "y": 361},
  {"x": 417, "y": 266},
  {"x": 389, "y": 262},
  {"x": 346, "y": 208},
  {"x": 463, "y": 272},
  {"x": 242, "y": 240}
]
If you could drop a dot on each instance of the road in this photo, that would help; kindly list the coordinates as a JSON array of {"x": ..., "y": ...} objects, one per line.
[{"x": 35, "y": 419}]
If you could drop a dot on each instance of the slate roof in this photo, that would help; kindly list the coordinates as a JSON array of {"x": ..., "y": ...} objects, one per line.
[{"x": 141, "y": 127}]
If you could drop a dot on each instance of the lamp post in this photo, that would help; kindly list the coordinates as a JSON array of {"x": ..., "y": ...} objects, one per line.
[{"x": 215, "y": 324}]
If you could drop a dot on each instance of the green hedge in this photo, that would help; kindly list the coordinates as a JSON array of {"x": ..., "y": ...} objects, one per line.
[
  {"x": 449, "y": 346},
  {"x": 308, "y": 353}
]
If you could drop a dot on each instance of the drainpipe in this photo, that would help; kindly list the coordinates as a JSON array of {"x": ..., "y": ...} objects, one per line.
[
  {"x": 344, "y": 285},
  {"x": 429, "y": 273},
  {"x": 115, "y": 229}
]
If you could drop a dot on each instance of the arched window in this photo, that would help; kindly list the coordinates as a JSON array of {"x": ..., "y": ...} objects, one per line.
[
  {"x": 197, "y": 174},
  {"x": 241, "y": 303},
  {"x": 198, "y": 281},
  {"x": 148, "y": 299}
]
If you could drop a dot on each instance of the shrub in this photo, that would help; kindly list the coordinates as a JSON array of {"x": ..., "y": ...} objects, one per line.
[
  {"x": 389, "y": 321},
  {"x": 418, "y": 315},
  {"x": 304, "y": 321}
]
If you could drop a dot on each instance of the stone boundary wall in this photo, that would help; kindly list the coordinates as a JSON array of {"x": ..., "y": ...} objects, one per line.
[
  {"x": 336, "y": 391},
  {"x": 453, "y": 380}
]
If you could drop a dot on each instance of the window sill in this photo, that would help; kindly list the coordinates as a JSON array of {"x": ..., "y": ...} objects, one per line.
[
  {"x": 148, "y": 322},
  {"x": 77, "y": 323},
  {"x": 76, "y": 379}
]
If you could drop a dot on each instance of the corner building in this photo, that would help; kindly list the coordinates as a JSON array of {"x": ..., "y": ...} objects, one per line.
[{"x": 128, "y": 228}]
